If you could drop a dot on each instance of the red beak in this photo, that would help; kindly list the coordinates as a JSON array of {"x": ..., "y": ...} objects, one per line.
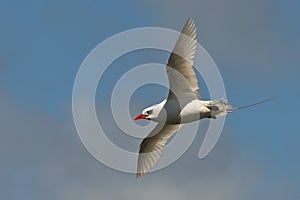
[{"x": 140, "y": 116}]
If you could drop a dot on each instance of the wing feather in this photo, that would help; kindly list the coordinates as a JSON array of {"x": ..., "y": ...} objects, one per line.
[
  {"x": 151, "y": 147},
  {"x": 180, "y": 65}
]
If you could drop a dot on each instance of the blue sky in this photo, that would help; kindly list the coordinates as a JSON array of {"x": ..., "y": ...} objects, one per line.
[{"x": 255, "y": 44}]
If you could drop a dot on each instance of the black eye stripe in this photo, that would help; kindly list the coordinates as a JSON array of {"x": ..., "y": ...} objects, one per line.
[{"x": 149, "y": 112}]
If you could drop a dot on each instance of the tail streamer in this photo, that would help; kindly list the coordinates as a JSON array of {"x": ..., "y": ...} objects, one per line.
[{"x": 250, "y": 105}]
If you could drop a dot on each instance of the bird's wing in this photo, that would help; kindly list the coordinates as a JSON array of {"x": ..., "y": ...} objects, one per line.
[
  {"x": 151, "y": 147},
  {"x": 182, "y": 78}
]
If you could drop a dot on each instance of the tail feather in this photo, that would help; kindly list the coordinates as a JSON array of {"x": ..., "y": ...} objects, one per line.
[
  {"x": 221, "y": 107},
  {"x": 250, "y": 105}
]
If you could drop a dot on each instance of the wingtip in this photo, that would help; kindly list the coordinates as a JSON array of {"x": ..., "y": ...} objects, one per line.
[
  {"x": 189, "y": 28},
  {"x": 190, "y": 18},
  {"x": 190, "y": 21},
  {"x": 139, "y": 175}
]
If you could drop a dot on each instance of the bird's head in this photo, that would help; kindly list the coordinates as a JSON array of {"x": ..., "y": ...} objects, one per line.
[
  {"x": 153, "y": 113},
  {"x": 146, "y": 114}
]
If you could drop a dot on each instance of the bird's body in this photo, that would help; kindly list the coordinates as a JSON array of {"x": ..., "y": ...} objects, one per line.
[
  {"x": 171, "y": 113},
  {"x": 183, "y": 103}
]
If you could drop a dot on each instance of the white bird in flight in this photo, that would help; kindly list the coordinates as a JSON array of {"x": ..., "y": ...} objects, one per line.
[{"x": 183, "y": 103}]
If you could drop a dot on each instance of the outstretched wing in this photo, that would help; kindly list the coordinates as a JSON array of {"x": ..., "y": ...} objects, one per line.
[
  {"x": 151, "y": 147},
  {"x": 182, "y": 78}
]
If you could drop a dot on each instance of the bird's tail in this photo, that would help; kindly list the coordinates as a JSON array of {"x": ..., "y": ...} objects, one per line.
[
  {"x": 250, "y": 105},
  {"x": 221, "y": 107}
]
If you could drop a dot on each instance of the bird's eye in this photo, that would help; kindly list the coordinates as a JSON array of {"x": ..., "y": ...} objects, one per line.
[{"x": 149, "y": 112}]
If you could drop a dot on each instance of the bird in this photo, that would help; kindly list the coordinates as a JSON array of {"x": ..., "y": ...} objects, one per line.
[{"x": 183, "y": 103}]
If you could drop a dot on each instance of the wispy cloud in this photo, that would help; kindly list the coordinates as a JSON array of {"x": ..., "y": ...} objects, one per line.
[{"x": 42, "y": 147}]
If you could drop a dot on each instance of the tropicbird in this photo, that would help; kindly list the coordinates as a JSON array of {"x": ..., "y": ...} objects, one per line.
[{"x": 183, "y": 103}]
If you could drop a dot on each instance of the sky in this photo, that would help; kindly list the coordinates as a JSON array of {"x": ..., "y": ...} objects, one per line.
[{"x": 255, "y": 45}]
